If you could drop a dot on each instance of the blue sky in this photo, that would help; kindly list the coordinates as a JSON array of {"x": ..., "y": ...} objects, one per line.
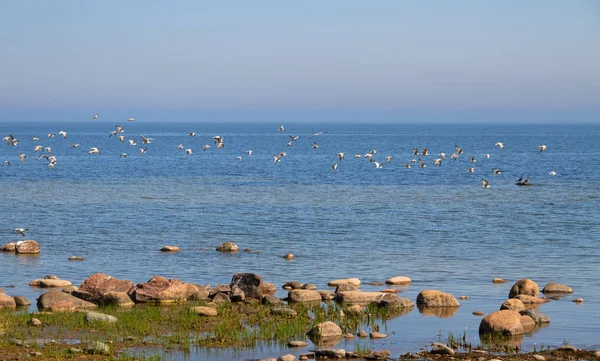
[{"x": 534, "y": 60}]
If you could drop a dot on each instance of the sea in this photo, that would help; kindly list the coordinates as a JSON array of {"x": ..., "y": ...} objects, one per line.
[{"x": 436, "y": 225}]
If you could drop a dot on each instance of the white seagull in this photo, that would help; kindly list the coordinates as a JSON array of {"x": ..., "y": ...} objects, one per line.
[
  {"x": 130, "y": 119},
  {"x": 484, "y": 183},
  {"x": 205, "y": 147},
  {"x": 21, "y": 231},
  {"x": 63, "y": 133},
  {"x": 542, "y": 148},
  {"x": 146, "y": 140},
  {"x": 123, "y": 155},
  {"x": 281, "y": 128},
  {"x": 95, "y": 116},
  {"x": 388, "y": 158},
  {"x": 500, "y": 145},
  {"x": 340, "y": 155},
  {"x": 553, "y": 173},
  {"x": 132, "y": 142},
  {"x": 334, "y": 167},
  {"x": 377, "y": 165},
  {"x": 249, "y": 152},
  {"x": 94, "y": 150},
  {"x": 188, "y": 151},
  {"x": 22, "y": 157}
]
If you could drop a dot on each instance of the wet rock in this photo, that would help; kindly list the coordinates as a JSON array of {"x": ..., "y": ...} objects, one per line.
[
  {"x": 498, "y": 280},
  {"x": 335, "y": 283},
  {"x": 6, "y": 301},
  {"x": 527, "y": 322},
  {"x": 118, "y": 299},
  {"x": 34, "y": 322},
  {"x": 162, "y": 290},
  {"x": 325, "y": 330},
  {"x": 478, "y": 313},
  {"x": 434, "y": 298},
  {"x": 98, "y": 348},
  {"x": 93, "y": 288},
  {"x": 330, "y": 353},
  {"x": 358, "y": 297},
  {"x": 97, "y": 317},
  {"x": 552, "y": 287},
  {"x": 304, "y": 296},
  {"x": 578, "y": 300},
  {"x": 249, "y": 283},
  {"x": 49, "y": 282},
  {"x": 76, "y": 258},
  {"x": 524, "y": 287},
  {"x": 9, "y": 247},
  {"x": 346, "y": 287},
  {"x": 399, "y": 280},
  {"x": 297, "y": 344},
  {"x": 531, "y": 299},
  {"x": 376, "y": 335},
  {"x": 292, "y": 285},
  {"x": 204, "y": 311},
  {"x": 567, "y": 348},
  {"x": 270, "y": 300},
  {"x": 228, "y": 247},
  {"x": 170, "y": 249},
  {"x": 309, "y": 286},
  {"x": 221, "y": 298},
  {"x": 288, "y": 357},
  {"x": 327, "y": 295},
  {"x": 27, "y": 247},
  {"x": 237, "y": 295},
  {"x": 441, "y": 349},
  {"x": 513, "y": 304},
  {"x": 283, "y": 311},
  {"x": 60, "y": 301},
  {"x": 289, "y": 256},
  {"x": 392, "y": 301},
  {"x": 537, "y": 316},
  {"x": 506, "y": 322}
]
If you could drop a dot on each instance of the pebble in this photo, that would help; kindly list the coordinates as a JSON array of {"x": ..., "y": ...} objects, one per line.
[
  {"x": 578, "y": 300},
  {"x": 362, "y": 334},
  {"x": 478, "y": 313},
  {"x": 297, "y": 344},
  {"x": 498, "y": 280},
  {"x": 34, "y": 322},
  {"x": 289, "y": 256}
]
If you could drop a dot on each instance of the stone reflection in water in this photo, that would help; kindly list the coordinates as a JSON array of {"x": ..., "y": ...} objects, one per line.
[
  {"x": 441, "y": 312},
  {"x": 502, "y": 343}
]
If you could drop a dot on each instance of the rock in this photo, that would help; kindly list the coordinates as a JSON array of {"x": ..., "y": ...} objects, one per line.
[
  {"x": 537, "y": 316},
  {"x": 464, "y": 298},
  {"x": 527, "y": 322},
  {"x": 9, "y": 247},
  {"x": 345, "y": 287},
  {"x": 327, "y": 295},
  {"x": 237, "y": 295},
  {"x": 21, "y": 301},
  {"x": 270, "y": 300},
  {"x": 304, "y": 296},
  {"x": 377, "y": 355},
  {"x": 288, "y": 357},
  {"x": 441, "y": 349},
  {"x": 355, "y": 309},
  {"x": 70, "y": 289},
  {"x": 248, "y": 250},
  {"x": 118, "y": 299},
  {"x": 348, "y": 336},
  {"x": 75, "y": 350},
  {"x": 434, "y": 298},
  {"x": 228, "y": 247},
  {"x": 289, "y": 256},
  {"x": 268, "y": 289},
  {"x": 359, "y": 297},
  {"x": 335, "y": 283},
  {"x": 391, "y": 290},
  {"x": 35, "y": 354},
  {"x": 221, "y": 298},
  {"x": 49, "y": 282},
  {"x": 76, "y": 258},
  {"x": 552, "y": 287},
  {"x": 324, "y": 332},
  {"x": 392, "y": 301},
  {"x": 297, "y": 344},
  {"x": 513, "y": 304},
  {"x": 97, "y": 317},
  {"x": 578, "y": 300},
  {"x": 27, "y": 247},
  {"x": 159, "y": 289},
  {"x": 6, "y": 301},
  {"x": 283, "y": 311},
  {"x": 539, "y": 357},
  {"x": 506, "y": 322},
  {"x": 170, "y": 249},
  {"x": 498, "y": 280},
  {"x": 478, "y": 313},
  {"x": 362, "y": 334},
  {"x": 309, "y": 286},
  {"x": 330, "y": 353},
  {"x": 292, "y": 285},
  {"x": 597, "y": 354},
  {"x": 377, "y": 335},
  {"x": 60, "y": 301},
  {"x": 567, "y": 348},
  {"x": 249, "y": 283},
  {"x": 97, "y": 347},
  {"x": 269, "y": 359},
  {"x": 93, "y": 288},
  {"x": 34, "y": 322},
  {"x": 524, "y": 287},
  {"x": 220, "y": 288},
  {"x": 440, "y": 312},
  {"x": 398, "y": 280},
  {"x": 531, "y": 299},
  {"x": 204, "y": 311}
]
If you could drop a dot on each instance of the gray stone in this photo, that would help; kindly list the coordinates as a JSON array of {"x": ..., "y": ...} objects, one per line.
[
  {"x": 97, "y": 317},
  {"x": 249, "y": 283},
  {"x": 344, "y": 287},
  {"x": 283, "y": 311},
  {"x": 552, "y": 287},
  {"x": 330, "y": 353},
  {"x": 97, "y": 347},
  {"x": 537, "y": 316},
  {"x": 441, "y": 349},
  {"x": 376, "y": 335},
  {"x": 237, "y": 295},
  {"x": 297, "y": 343},
  {"x": 228, "y": 247}
]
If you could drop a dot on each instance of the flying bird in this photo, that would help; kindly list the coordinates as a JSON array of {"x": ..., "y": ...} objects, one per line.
[
  {"x": 132, "y": 142},
  {"x": 192, "y": 134},
  {"x": 180, "y": 146},
  {"x": 484, "y": 183},
  {"x": 281, "y": 128},
  {"x": 542, "y": 148},
  {"x": 438, "y": 162},
  {"x": 458, "y": 149},
  {"x": 63, "y": 133},
  {"x": 552, "y": 173},
  {"x": 75, "y": 145},
  {"x": 95, "y": 116},
  {"x": 388, "y": 158},
  {"x": 496, "y": 171},
  {"x": 249, "y": 152},
  {"x": 22, "y": 157},
  {"x": 471, "y": 170},
  {"x": 293, "y": 138},
  {"x": 340, "y": 156},
  {"x": 188, "y": 151},
  {"x": 94, "y": 151},
  {"x": 143, "y": 150},
  {"x": 377, "y": 165},
  {"x": 130, "y": 119},
  {"x": 334, "y": 167},
  {"x": 205, "y": 147},
  {"x": 21, "y": 231},
  {"x": 51, "y": 135},
  {"x": 145, "y": 140}
]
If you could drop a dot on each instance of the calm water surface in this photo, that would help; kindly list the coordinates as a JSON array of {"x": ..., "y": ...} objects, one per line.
[{"x": 434, "y": 224}]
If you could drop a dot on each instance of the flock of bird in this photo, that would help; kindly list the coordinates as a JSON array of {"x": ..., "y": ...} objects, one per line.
[{"x": 118, "y": 133}]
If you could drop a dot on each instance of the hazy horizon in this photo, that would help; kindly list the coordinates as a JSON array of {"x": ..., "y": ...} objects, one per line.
[{"x": 392, "y": 61}]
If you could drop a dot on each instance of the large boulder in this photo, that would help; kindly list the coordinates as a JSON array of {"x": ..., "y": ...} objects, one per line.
[
  {"x": 524, "y": 287},
  {"x": 304, "y": 296},
  {"x": 552, "y": 287},
  {"x": 513, "y": 304},
  {"x": 9, "y": 247},
  {"x": 434, "y": 298},
  {"x": 49, "y": 282},
  {"x": 27, "y": 247},
  {"x": 95, "y": 286},
  {"x": 325, "y": 332},
  {"x": 6, "y": 301},
  {"x": 60, "y": 301},
  {"x": 250, "y": 283},
  {"x": 505, "y": 322},
  {"x": 162, "y": 290}
]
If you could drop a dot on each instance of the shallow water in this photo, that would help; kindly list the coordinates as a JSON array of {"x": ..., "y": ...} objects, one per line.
[{"x": 434, "y": 224}]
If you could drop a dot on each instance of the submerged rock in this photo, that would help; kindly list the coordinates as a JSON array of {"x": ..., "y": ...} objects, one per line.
[
  {"x": 334, "y": 283},
  {"x": 9, "y": 247},
  {"x": 524, "y": 286},
  {"x": 537, "y": 316},
  {"x": 552, "y": 287},
  {"x": 330, "y": 353},
  {"x": 170, "y": 249},
  {"x": 21, "y": 301},
  {"x": 441, "y": 349},
  {"x": 377, "y": 355},
  {"x": 358, "y": 297},
  {"x": 325, "y": 332},
  {"x": 228, "y": 247},
  {"x": 513, "y": 304},
  {"x": 531, "y": 299},
  {"x": 50, "y": 282}
]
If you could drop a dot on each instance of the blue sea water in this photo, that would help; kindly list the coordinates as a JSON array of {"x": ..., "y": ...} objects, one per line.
[{"x": 436, "y": 225}]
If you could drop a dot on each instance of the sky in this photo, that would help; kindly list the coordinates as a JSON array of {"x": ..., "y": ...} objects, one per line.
[{"x": 387, "y": 60}]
